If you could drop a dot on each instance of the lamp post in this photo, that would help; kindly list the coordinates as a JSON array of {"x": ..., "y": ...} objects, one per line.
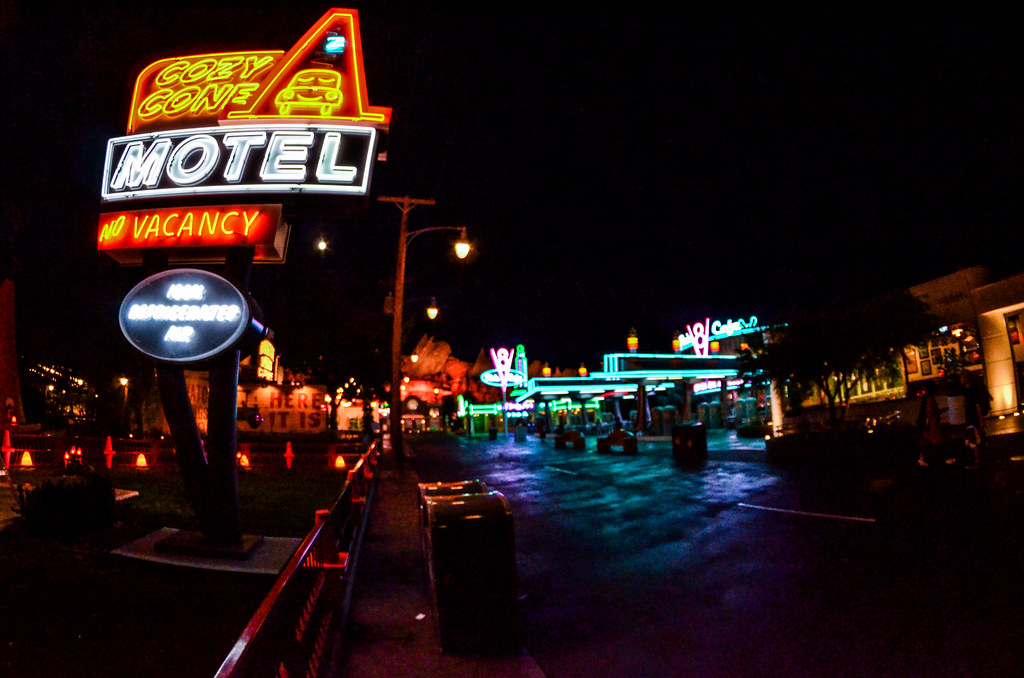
[
  {"x": 125, "y": 419},
  {"x": 406, "y": 205}
]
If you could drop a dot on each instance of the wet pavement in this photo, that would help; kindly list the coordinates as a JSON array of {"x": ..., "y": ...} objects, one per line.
[{"x": 641, "y": 566}]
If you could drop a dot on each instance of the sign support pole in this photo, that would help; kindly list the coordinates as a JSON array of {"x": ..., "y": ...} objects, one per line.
[{"x": 222, "y": 424}]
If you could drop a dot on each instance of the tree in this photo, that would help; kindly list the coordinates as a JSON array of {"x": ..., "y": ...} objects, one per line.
[{"x": 834, "y": 348}]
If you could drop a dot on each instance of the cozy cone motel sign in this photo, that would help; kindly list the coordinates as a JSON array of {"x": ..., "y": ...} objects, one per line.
[{"x": 216, "y": 143}]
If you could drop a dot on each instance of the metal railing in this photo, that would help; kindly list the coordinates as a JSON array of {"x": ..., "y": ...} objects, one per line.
[
  {"x": 51, "y": 450},
  {"x": 300, "y": 622}
]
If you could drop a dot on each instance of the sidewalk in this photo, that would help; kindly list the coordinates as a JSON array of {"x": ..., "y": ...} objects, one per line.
[
  {"x": 8, "y": 514},
  {"x": 392, "y": 631}
]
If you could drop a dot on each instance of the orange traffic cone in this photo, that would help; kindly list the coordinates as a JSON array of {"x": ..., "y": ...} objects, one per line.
[
  {"x": 108, "y": 452},
  {"x": 7, "y": 449}
]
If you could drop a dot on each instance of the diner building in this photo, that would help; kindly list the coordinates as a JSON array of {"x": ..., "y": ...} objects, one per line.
[
  {"x": 701, "y": 380},
  {"x": 981, "y": 325}
]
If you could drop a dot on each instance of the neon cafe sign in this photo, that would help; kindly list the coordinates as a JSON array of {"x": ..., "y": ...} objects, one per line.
[
  {"x": 711, "y": 385},
  {"x": 700, "y": 335},
  {"x": 251, "y": 122},
  {"x": 503, "y": 375}
]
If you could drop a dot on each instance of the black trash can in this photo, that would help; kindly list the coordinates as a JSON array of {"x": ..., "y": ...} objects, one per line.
[
  {"x": 689, "y": 443},
  {"x": 472, "y": 564},
  {"x": 448, "y": 489},
  {"x": 492, "y": 433}
]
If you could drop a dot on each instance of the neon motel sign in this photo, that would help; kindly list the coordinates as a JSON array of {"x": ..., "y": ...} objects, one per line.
[
  {"x": 245, "y": 159},
  {"x": 245, "y": 123}
]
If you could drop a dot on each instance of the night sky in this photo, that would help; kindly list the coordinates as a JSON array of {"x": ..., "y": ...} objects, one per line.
[{"x": 615, "y": 169}]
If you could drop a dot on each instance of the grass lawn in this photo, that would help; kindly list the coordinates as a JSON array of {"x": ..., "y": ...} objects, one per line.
[{"x": 75, "y": 609}]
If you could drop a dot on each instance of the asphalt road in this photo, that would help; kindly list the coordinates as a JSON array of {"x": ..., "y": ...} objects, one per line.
[{"x": 638, "y": 566}]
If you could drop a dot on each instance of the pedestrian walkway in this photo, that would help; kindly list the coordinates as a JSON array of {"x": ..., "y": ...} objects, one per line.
[
  {"x": 8, "y": 505},
  {"x": 392, "y": 631}
]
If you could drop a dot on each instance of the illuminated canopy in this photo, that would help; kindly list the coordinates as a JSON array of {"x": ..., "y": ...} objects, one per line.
[{"x": 625, "y": 372}]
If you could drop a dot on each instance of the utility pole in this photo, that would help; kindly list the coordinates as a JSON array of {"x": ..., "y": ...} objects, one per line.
[{"x": 406, "y": 205}]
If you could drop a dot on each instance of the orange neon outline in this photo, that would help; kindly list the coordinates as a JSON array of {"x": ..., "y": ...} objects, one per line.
[
  {"x": 145, "y": 86},
  {"x": 301, "y": 50}
]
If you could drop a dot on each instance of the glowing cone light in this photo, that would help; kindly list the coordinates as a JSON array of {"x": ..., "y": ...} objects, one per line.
[
  {"x": 243, "y": 460},
  {"x": 108, "y": 452},
  {"x": 7, "y": 449},
  {"x": 26, "y": 458},
  {"x": 140, "y": 461},
  {"x": 339, "y": 461}
]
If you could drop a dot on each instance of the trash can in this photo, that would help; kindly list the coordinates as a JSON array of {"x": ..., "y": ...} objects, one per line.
[
  {"x": 435, "y": 490},
  {"x": 689, "y": 443},
  {"x": 449, "y": 489},
  {"x": 492, "y": 433},
  {"x": 472, "y": 566}
]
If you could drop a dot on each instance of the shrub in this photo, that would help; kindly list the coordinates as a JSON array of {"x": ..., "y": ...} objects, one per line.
[{"x": 69, "y": 506}]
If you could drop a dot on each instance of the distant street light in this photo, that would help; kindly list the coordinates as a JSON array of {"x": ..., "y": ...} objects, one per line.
[
  {"x": 432, "y": 309},
  {"x": 405, "y": 236},
  {"x": 124, "y": 403},
  {"x": 462, "y": 245}
]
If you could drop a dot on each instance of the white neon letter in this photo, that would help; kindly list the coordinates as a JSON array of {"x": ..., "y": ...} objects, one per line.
[
  {"x": 240, "y": 144},
  {"x": 698, "y": 334},
  {"x": 209, "y": 154},
  {"x": 502, "y": 359},
  {"x": 286, "y": 156},
  {"x": 326, "y": 170},
  {"x": 139, "y": 167}
]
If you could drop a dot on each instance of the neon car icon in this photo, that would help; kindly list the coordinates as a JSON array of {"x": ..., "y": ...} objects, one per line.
[{"x": 314, "y": 91}]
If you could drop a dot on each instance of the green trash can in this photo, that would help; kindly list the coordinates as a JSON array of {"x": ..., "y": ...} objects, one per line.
[
  {"x": 472, "y": 566},
  {"x": 690, "y": 443}
]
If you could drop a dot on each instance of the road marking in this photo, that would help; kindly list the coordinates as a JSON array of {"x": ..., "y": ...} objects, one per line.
[
  {"x": 806, "y": 513},
  {"x": 562, "y": 470}
]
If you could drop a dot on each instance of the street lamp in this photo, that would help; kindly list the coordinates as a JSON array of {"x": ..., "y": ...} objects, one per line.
[
  {"x": 405, "y": 236},
  {"x": 123, "y": 381}
]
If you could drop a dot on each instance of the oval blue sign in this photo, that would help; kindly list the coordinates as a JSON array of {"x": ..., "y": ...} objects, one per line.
[{"x": 185, "y": 315}]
